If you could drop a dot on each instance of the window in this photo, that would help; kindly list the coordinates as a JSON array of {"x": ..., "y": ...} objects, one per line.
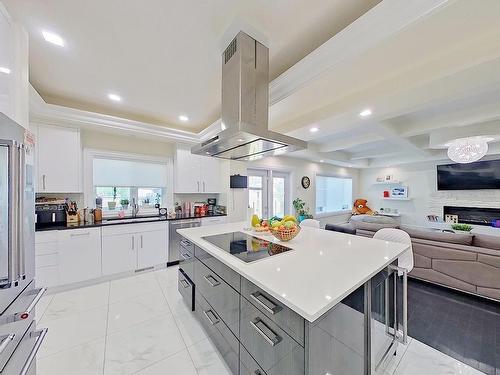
[
  {"x": 146, "y": 198},
  {"x": 121, "y": 181},
  {"x": 333, "y": 194},
  {"x": 268, "y": 192}
]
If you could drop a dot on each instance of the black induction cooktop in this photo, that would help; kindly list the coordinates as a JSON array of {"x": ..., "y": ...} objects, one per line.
[{"x": 246, "y": 247}]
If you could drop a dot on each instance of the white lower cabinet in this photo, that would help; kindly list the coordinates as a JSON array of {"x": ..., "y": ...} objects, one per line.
[
  {"x": 75, "y": 255},
  {"x": 79, "y": 255},
  {"x": 119, "y": 253},
  {"x": 133, "y": 246},
  {"x": 46, "y": 259},
  {"x": 152, "y": 248}
]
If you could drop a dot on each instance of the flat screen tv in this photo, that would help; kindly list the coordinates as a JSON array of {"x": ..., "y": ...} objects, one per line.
[
  {"x": 472, "y": 176},
  {"x": 237, "y": 182}
]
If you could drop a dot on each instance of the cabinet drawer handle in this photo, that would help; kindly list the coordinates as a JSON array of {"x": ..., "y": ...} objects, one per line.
[
  {"x": 186, "y": 256},
  {"x": 261, "y": 329},
  {"x": 40, "y": 336},
  {"x": 6, "y": 340},
  {"x": 265, "y": 302},
  {"x": 257, "y": 372},
  {"x": 80, "y": 234},
  {"x": 184, "y": 283},
  {"x": 213, "y": 283},
  {"x": 215, "y": 320}
]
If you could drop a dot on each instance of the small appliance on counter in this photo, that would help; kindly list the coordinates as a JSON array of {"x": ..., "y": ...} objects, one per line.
[
  {"x": 50, "y": 212},
  {"x": 212, "y": 203}
]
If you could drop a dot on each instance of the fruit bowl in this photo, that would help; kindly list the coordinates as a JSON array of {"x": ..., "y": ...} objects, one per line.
[{"x": 285, "y": 234}]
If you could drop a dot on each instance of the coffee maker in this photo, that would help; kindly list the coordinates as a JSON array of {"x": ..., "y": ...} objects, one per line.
[{"x": 212, "y": 203}]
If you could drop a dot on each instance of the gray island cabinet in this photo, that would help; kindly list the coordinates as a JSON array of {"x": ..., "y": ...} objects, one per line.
[{"x": 257, "y": 334}]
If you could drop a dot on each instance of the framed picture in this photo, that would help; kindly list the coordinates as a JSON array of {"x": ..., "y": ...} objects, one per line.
[{"x": 399, "y": 192}]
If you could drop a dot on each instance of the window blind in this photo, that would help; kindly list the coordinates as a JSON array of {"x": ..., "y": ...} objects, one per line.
[{"x": 115, "y": 172}]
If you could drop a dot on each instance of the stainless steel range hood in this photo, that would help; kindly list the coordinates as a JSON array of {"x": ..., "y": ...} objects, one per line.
[{"x": 245, "y": 107}]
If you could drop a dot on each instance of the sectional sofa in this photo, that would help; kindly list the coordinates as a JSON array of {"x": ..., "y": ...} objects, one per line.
[{"x": 462, "y": 261}]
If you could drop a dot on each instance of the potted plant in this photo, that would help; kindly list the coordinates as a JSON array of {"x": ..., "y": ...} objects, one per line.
[
  {"x": 112, "y": 204},
  {"x": 124, "y": 203},
  {"x": 301, "y": 210},
  {"x": 463, "y": 228}
]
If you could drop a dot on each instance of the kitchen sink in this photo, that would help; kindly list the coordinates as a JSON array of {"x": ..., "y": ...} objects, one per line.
[{"x": 129, "y": 219}]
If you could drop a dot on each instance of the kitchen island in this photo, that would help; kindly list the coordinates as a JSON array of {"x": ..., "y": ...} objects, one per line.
[{"x": 326, "y": 306}]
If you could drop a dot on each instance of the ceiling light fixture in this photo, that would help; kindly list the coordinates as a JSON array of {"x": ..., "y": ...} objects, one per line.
[
  {"x": 468, "y": 150},
  {"x": 4, "y": 70},
  {"x": 114, "y": 97},
  {"x": 53, "y": 38},
  {"x": 321, "y": 161},
  {"x": 365, "y": 113},
  {"x": 313, "y": 130},
  {"x": 183, "y": 118}
]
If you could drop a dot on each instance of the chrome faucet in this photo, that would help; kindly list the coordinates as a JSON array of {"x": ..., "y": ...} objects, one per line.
[{"x": 135, "y": 208}]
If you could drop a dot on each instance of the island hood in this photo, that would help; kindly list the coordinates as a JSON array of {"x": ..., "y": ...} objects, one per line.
[{"x": 245, "y": 107}]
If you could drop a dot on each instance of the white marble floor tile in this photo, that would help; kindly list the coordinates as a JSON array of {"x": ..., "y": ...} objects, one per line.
[
  {"x": 133, "y": 286},
  {"x": 179, "y": 363},
  {"x": 142, "y": 345},
  {"x": 174, "y": 299},
  {"x": 74, "y": 330},
  {"x": 167, "y": 277},
  {"x": 42, "y": 305},
  {"x": 86, "y": 359},
  {"x": 126, "y": 313},
  {"x": 422, "y": 359},
  {"x": 207, "y": 360},
  {"x": 191, "y": 330},
  {"x": 391, "y": 367},
  {"x": 77, "y": 301}
]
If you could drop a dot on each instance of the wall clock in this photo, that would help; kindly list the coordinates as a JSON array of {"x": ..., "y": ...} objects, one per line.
[{"x": 306, "y": 182}]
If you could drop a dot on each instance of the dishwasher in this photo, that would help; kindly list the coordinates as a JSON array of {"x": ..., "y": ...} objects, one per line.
[{"x": 174, "y": 238}]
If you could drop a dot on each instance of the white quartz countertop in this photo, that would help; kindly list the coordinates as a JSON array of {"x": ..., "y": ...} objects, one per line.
[{"x": 323, "y": 269}]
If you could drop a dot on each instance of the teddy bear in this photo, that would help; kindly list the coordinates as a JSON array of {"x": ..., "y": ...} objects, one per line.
[{"x": 360, "y": 208}]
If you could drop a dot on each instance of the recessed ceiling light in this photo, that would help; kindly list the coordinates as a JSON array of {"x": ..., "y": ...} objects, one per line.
[
  {"x": 321, "y": 161},
  {"x": 313, "y": 130},
  {"x": 4, "y": 70},
  {"x": 114, "y": 97},
  {"x": 365, "y": 113},
  {"x": 53, "y": 38},
  {"x": 183, "y": 118}
]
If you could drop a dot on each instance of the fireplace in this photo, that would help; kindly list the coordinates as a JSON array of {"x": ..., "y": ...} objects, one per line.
[{"x": 473, "y": 215}]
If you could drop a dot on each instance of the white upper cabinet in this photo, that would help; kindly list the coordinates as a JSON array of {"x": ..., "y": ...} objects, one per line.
[
  {"x": 7, "y": 69},
  {"x": 14, "y": 85},
  {"x": 196, "y": 174},
  {"x": 59, "y": 160}
]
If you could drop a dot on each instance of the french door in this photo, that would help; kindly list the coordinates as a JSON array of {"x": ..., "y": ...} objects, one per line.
[{"x": 269, "y": 192}]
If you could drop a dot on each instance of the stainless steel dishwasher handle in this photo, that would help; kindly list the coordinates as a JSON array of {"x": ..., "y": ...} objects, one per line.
[
  {"x": 274, "y": 340},
  {"x": 40, "y": 336},
  {"x": 266, "y": 303},
  {"x": 6, "y": 340}
]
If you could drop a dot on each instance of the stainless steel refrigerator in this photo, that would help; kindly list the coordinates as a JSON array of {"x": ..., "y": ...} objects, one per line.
[{"x": 19, "y": 338}]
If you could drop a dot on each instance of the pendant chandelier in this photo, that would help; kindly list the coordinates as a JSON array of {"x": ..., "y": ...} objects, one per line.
[{"x": 468, "y": 150}]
